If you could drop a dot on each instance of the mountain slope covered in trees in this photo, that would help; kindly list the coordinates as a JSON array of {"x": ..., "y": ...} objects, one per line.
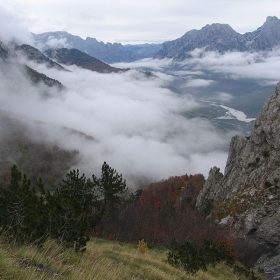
[{"x": 81, "y": 59}]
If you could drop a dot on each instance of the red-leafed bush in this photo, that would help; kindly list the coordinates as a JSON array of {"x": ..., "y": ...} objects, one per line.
[{"x": 165, "y": 211}]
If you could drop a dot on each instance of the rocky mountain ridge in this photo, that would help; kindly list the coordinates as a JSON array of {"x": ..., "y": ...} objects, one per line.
[
  {"x": 222, "y": 38},
  {"x": 212, "y": 37},
  {"x": 81, "y": 59},
  {"x": 21, "y": 55},
  {"x": 108, "y": 52},
  {"x": 35, "y": 55},
  {"x": 11, "y": 55},
  {"x": 247, "y": 196},
  {"x": 265, "y": 37},
  {"x": 37, "y": 78}
]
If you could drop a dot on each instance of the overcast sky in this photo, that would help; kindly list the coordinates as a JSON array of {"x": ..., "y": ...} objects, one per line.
[{"x": 138, "y": 20}]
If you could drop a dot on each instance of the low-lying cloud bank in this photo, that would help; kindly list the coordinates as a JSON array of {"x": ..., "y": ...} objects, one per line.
[
  {"x": 262, "y": 66},
  {"x": 137, "y": 124},
  {"x": 133, "y": 122}
]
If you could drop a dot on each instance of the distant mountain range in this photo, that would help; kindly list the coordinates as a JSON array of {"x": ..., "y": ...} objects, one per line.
[
  {"x": 107, "y": 52},
  {"x": 51, "y": 59},
  {"x": 223, "y": 38},
  {"x": 11, "y": 53},
  {"x": 214, "y": 37}
]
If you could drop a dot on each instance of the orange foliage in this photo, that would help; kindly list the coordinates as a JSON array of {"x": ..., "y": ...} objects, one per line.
[{"x": 165, "y": 211}]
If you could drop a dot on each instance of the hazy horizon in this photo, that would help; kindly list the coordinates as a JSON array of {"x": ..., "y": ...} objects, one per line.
[{"x": 145, "y": 21}]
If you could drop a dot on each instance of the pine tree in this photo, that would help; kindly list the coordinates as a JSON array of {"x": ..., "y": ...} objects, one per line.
[
  {"x": 73, "y": 209},
  {"x": 112, "y": 187},
  {"x": 21, "y": 210}
]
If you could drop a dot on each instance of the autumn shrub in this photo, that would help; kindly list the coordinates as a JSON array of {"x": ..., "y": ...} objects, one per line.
[
  {"x": 163, "y": 211},
  {"x": 142, "y": 246}
]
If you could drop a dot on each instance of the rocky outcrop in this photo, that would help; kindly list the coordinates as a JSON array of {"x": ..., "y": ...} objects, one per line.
[{"x": 249, "y": 190}]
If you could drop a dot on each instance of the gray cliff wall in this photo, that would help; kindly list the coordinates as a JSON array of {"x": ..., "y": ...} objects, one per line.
[{"x": 248, "y": 194}]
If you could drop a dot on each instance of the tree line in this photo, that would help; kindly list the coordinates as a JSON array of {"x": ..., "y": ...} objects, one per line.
[
  {"x": 80, "y": 207},
  {"x": 69, "y": 214}
]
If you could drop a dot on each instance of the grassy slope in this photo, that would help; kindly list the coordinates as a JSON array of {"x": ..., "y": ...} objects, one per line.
[{"x": 103, "y": 260}]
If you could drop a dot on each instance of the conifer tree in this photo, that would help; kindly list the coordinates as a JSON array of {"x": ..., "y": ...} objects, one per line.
[
  {"x": 73, "y": 210},
  {"x": 112, "y": 187},
  {"x": 22, "y": 218}
]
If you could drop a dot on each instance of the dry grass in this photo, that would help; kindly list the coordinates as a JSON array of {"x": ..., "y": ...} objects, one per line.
[{"x": 103, "y": 260}]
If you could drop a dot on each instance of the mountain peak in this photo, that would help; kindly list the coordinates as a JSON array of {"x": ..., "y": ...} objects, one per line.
[
  {"x": 271, "y": 20},
  {"x": 223, "y": 38},
  {"x": 92, "y": 39},
  {"x": 218, "y": 26}
]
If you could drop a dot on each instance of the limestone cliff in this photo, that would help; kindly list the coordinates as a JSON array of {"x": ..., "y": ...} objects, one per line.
[{"x": 247, "y": 196}]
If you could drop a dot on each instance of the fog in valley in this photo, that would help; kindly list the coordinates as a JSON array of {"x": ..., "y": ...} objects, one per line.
[{"x": 132, "y": 120}]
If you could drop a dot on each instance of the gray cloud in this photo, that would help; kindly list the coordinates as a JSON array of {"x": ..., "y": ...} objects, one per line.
[
  {"x": 57, "y": 43},
  {"x": 262, "y": 66},
  {"x": 222, "y": 97},
  {"x": 146, "y": 20},
  {"x": 193, "y": 83},
  {"x": 11, "y": 28},
  {"x": 138, "y": 125}
]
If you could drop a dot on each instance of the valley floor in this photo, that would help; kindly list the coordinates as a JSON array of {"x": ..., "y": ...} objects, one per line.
[{"x": 102, "y": 260}]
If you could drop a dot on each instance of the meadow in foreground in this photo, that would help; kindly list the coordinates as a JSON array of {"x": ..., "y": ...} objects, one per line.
[{"x": 103, "y": 260}]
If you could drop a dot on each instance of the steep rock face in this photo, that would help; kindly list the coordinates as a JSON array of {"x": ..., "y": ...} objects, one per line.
[
  {"x": 249, "y": 190},
  {"x": 265, "y": 37}
]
